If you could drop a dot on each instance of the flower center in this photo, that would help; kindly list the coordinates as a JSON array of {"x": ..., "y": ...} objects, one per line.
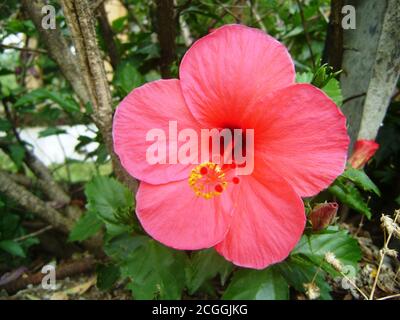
[{"x": 208, "y": 179}]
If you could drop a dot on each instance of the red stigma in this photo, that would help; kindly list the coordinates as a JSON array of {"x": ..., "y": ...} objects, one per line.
[
  {"x": 235, "y": 180},
  {"x": 219, "y": 188}
]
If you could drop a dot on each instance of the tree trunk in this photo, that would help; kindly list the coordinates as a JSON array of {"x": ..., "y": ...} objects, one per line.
[{"x": 371, "y": 65}]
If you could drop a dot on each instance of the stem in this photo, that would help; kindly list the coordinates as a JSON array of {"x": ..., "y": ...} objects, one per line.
[
  {"x": 8, "y": 46},
  {"x": 166, "y": 32},
  {"x": 308, "y": 39},
  {"x": 371, "y": 297},
  {"x": 390, "y": 297},
  {"x": 354, "y": 285},
  {"x": 33, "y": 234}
]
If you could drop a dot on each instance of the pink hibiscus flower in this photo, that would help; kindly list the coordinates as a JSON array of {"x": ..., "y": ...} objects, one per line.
[{"x": 234, "y": 77}]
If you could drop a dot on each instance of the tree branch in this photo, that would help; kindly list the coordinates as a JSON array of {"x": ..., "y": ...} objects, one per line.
[
  {"x": 52, "y": 189},
  {"x": 57, "y": 47},
  {"x": 32, "y": 203},
  {"x": 166, "y": 32},
  {"x": 333, "y": 51},
  {"x": 8, "y": 46},
  {"x": 80, "y": 20},
  {"x": 108, "y": 35}
]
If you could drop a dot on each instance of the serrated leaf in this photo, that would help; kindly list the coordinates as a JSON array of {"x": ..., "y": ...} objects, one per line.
[
  {"x": 360, "y": 178},
  {"x": 304, "y": 77},
  {"x": 205, "y": 265},
  {"x": 155, "y": 271},
  {"x": 298, "y": 271},
  {"x": 12, "y": 247},
  {"x": 106, "y": 196},
  {"x": 349, "y": 195},
  {"x": 267, "y": 284},
  {"x": 333, "y": 91},
  {"x": 339, "y": 242},
  {"x": 87, "y": 226}
]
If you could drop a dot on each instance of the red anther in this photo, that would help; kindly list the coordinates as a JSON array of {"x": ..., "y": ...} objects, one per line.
[
  {"x": 203, "y": 171},
  {"x": 235, "y": 180},
  {"x": 219, "y": 188}
]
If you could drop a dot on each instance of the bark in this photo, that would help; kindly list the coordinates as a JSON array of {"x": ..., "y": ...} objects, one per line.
[
  {"x": 166, "y": 32},
  {"x": 31, "y": 184},
  {"x": 52, "y": 189},
  {"x": 33, "y": 204},
  {"x": 333, "y": 51},
  {"x": 108, "y": 35},
  {"x": 80, "y": 20},
  {"x": 371, "y": 65},
  {"x": 57, "y": 47}
]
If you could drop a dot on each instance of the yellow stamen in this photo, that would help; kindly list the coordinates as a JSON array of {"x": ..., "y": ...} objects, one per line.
[{"x": 207, "y": 180}]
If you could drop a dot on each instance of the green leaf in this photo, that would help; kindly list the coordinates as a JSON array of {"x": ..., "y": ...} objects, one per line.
[
  {"x": 267, "y": 284},
  {"x": 155, "y": 272},
  {"x": 5, "y": 125},
  {"x": 13, "y": 248},
  {"x": 339, "y": 242},
  {"x": 107, "y": 276},
  {"x": 127, "y": 77},
  {"x": 349, "y": 195},
  {"x": 205, "y": 265},
  {"x": 17, "y": 153},
  {"x": 87, "y": 226},
  {"x": 304, "y": 77},
  {"x": 333, "y": 91},
  {"x": 106, "y": 196},
  {"x": 121, "y": 247},
  {"x": 51, "y": 131},
  {"x": 298, "y": 271},
  {"x": 41, "y": 94},
  {"x": 331, "y": 88},
  {"x": 360, "y": 178}
]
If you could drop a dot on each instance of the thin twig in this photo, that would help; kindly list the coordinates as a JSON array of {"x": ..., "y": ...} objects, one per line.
[
  {"x": 254, "y": 11},
  {"x": 371, "y": 297},
  {"x": 390, "y": 297},
  {"x": 353, "y": 97},
  {"x": 8, "y": 46},
  {"x": 354, "y": 285},
  {"x": 33, "y": 234}
]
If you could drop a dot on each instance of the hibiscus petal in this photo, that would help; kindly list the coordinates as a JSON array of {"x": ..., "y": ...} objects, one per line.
[
  {"x": 146, "y": 108},
  {"x": 301, "y": 134},
  {"x": 268, "y": 222},
  {"x": 225, "y": 72},
  {"x": 173, "y": 215}
]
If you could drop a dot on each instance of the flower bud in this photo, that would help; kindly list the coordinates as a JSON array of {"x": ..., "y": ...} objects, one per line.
[
  {"x": 363, "y": 151},
  {"x": 323, "y": 214}
]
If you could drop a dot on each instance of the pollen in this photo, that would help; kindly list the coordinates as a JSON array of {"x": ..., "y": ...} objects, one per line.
[{"x": 208, "y": 180}]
